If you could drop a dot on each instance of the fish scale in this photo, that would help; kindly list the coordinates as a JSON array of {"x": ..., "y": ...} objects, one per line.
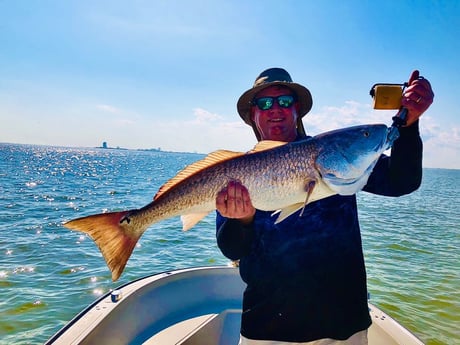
[{"x": 278, "y": 176}]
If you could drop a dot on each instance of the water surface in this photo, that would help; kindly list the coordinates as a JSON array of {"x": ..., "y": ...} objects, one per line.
[{"x": 48, "y": 273}]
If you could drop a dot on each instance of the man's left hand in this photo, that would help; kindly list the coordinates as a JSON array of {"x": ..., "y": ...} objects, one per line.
[{"x": 417, "y": 97}]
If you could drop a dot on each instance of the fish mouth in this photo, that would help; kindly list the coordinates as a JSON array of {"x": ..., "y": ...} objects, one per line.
[
  {"x": 340, "y": 181},
  {"x": 349, "y": 186},
  {"x": 388, "y": 140},
  {"x": 392, "y": 135}
]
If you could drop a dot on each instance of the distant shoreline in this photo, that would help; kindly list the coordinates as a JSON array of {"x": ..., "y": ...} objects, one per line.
[
  {"x": 103, "y": 148},
  {"x": 146, "y": 150}
]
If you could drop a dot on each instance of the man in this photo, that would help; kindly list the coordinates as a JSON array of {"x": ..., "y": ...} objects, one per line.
[{"x": 306, "y": 280}]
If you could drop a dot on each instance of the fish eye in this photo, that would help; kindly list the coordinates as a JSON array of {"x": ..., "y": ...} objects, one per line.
[{"x": 366, "y": 134}]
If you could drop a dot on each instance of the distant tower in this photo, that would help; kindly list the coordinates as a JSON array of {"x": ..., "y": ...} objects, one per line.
[{"x": 104, "y": 145}]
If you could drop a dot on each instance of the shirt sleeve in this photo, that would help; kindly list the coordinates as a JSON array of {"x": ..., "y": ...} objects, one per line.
[
  {"x": 400, "y": 173},
  {"x": 233, "y": 238}
]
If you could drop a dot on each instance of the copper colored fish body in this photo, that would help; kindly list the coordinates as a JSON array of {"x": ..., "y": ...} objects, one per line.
[{"x": 278, "y": 176}]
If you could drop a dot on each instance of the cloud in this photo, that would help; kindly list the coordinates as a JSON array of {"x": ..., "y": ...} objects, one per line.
[
  {"x": 108, "y": 108},
  {"x": 123, "y": 118},
  {"x": 207, "y": 131},
  {"x": 124, "y": 122},
  {"x": 441, "y": 145},
  {"x": 442, "y": 136},
  {"x": 203, "y": 132},
  {"x": 204, "y": 116},
  {"x": 350, "y": 114}
]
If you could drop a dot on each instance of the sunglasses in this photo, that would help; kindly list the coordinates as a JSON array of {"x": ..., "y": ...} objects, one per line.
[{"x": 265, "y": 103}]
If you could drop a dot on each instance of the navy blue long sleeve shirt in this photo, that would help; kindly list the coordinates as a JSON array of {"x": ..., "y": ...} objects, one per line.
[{"x": 306, "y": 276}]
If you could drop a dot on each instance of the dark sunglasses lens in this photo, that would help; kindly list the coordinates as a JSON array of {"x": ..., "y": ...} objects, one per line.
[
  {"x": 285, "y": 101},
  {"x": 264, "y": 103}
]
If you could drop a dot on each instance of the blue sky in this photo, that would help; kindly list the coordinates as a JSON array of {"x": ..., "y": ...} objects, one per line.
[{"x": 167, "y": 74}]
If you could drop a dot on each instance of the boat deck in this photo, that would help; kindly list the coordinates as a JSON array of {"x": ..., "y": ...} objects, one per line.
[
  {"x": 223, "y": 328},
  {"x": 200, "y": 306}
]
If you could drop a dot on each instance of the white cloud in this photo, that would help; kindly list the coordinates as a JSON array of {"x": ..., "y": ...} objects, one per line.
[
  {"x": 350, "y": 114},
  {"x": 441, "y": 145},
  {"x": 204, "y": 116},
  {"x": 208, "y": 131},
  {"x": 204, "y": 133},
  {"x": 121, "y": 117},
  {"x": 108, "y": 108}
]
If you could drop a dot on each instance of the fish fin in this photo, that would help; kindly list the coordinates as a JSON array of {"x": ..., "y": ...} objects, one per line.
[
  {"x": 287, "y": 211},
  {"x": 189, "y": 220},
  {"x": 291, "y": 209},
  {"x": 210, "y": 160},
  {"x": 111, "y": 236},
  {"x": 309, "y": 188},
  {"x": 267, "y": 145}
]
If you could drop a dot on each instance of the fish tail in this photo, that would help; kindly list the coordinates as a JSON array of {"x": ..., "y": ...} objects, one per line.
[{"x": 112, "y": 234}]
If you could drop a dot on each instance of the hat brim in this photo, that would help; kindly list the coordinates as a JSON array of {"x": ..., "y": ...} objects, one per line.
[{"x": 245, "y": 101}]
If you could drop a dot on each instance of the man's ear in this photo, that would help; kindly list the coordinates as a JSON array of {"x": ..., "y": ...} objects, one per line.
[
  {"x": 297, "y": 107},
  {"x": 252, "y": 113}
]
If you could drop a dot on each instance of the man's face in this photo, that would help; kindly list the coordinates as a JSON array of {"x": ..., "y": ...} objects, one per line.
[{"x": 279, "y": 121}]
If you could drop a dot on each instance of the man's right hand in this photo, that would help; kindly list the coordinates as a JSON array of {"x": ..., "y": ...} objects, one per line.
[{"x": 233, "y": 201}]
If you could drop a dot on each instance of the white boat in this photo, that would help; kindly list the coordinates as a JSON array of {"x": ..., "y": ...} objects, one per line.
[{"x": 196, "y": 306}]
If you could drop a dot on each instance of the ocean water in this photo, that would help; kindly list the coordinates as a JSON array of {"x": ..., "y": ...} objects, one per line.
[{"x": 48, "y": 273}]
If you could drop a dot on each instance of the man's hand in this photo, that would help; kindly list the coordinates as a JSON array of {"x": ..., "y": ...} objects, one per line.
[
  {"x": 417, "y": 97},
  {"x": 233, "y": 201}
]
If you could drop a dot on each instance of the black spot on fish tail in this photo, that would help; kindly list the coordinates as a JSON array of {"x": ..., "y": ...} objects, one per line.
[
  {"x": 128, "y": 216},
  {"x": 125, "y": 219}
]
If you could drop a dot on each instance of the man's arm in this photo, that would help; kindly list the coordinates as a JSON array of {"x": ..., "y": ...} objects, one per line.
[
  {"x": 402, "y": 172},
  {"x": 233, "y": 238}
]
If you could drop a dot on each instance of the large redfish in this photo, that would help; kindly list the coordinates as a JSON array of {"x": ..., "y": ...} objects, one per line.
[{"x": 278, "y": 176}]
